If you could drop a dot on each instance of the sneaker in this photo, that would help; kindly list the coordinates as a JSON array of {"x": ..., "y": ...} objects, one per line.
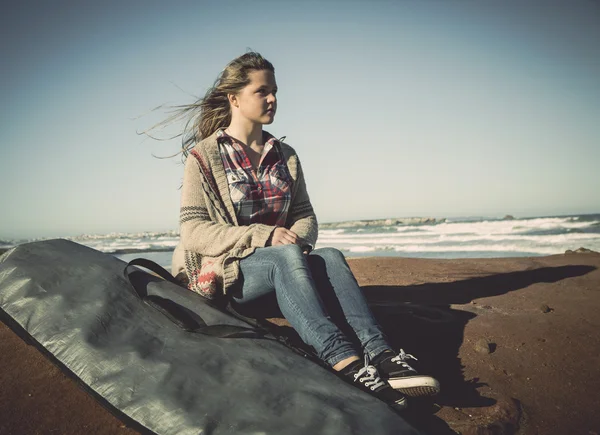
[
  {"x": 367, "y": 379},
  {"x": 402, "y": 377}
]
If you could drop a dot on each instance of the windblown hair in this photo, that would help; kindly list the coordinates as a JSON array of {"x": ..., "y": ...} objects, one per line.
[{"x": 208, "y": 114}]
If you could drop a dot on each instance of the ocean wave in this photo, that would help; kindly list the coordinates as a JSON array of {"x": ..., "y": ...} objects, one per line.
[
  {"x": 332, "y": 232},
  {"x": 420, "y": 249},
  {"x": 508, "y": 227},
  {"x": 360, "y": 249},
  {"x": 541, "y": 250},
  {"x": 121, "y": 243},
  {"x": 535, "y": 236},
  {"x": 587, "y": 218},
  {"x": 384, "y": 239}
]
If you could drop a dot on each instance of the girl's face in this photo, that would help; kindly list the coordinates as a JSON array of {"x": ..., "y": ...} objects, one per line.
[{"x": 257, "y": 101}]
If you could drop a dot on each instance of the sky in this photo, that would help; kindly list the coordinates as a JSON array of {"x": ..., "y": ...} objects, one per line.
[{"x": 395, "y": 108}]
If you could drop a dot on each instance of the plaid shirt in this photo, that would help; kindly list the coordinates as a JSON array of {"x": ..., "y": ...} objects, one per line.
[{"x": 263, "y": 196}]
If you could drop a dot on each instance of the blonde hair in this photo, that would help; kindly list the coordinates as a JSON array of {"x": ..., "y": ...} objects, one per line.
[{"x": 208, "y": 114}]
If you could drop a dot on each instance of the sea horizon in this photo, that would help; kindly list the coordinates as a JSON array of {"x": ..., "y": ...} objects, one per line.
[{"x": 418, "y": 237}]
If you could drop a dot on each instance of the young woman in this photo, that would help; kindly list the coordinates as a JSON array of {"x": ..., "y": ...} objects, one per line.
[{"x": 248, "y": 231}]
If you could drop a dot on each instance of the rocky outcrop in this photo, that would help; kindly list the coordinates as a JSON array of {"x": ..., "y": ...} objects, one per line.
[
  {"x": 503, "y": 418},
  {"x": 581, "y": 250},
  {"x": 382, "y": 222}
]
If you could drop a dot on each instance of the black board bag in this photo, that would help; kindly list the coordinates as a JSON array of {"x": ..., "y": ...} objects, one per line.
[{"x": 165, "y": 361}]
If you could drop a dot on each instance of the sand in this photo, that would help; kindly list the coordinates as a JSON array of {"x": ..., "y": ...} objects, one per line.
[{"x": 513, "y": 341}]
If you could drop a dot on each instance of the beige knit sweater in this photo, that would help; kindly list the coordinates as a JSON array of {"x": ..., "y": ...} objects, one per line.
[{"x": 211, "y": 241}]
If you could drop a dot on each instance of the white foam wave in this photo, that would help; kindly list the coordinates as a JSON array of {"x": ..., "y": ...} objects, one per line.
[
  {"x": 385, "y": 239},
  {"x": 134, "y": 241},
  {"x": 508, "y": 227},
  {"x": 557, "y": 234},
  {"x": 416, "y": 249},
  {"x": 331, "y": 232},
  {"x": 489, "y": 236},
  {"x": 362, "y": 249},
  {"x": 542, "y": 250}
]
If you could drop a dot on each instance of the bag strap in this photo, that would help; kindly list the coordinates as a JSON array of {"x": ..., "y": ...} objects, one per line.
[
  {"x": 151, "y": 266},
  {"x": 180, "y": 315},
  {"x": 195, "y": 324}
]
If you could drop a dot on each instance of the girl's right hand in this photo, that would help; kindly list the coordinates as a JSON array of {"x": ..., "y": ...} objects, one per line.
[{"x": 282, "y": 236}]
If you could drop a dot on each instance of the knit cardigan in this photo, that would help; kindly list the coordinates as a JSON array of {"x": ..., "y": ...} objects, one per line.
[{"x": 211, "y": 241}]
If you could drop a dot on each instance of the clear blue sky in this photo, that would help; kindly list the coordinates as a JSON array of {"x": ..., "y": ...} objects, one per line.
[{"x": 396, "y": 108}]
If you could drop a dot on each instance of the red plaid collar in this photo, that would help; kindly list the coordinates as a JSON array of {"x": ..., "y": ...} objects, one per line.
[{"x": 270, "y": 142}]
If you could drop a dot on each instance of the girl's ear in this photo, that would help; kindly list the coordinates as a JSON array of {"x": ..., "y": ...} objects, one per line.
[{"x": 233, "y": 100}]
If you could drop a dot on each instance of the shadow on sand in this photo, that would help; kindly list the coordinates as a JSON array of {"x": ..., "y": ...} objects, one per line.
[{"x": 419, "y": 319}]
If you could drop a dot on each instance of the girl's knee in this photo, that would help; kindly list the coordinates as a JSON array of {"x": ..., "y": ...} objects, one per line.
[
  {"x": 288, "y": 255},
  {"x": 330, "y": 254},
  {"x": 290, "y": 251}
]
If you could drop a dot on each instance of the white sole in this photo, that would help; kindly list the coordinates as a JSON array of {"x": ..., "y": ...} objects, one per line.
[{"x": 416, "y": 386}]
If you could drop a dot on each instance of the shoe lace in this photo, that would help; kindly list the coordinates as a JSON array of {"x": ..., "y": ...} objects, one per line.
[
  {"x": 369, "y": 376},
  {"x": 401, "y": 359}
]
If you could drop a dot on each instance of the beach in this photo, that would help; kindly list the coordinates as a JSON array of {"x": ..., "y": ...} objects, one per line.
[
  {"x": 513, "y": 341},
  {"x": 447, "y": 149}
]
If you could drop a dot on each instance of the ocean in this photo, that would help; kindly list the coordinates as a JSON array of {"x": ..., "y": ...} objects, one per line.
[{"x": 471, "y": 237}]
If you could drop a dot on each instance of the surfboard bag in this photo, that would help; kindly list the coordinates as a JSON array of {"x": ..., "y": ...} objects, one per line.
[{"x": 166, "y": 361}]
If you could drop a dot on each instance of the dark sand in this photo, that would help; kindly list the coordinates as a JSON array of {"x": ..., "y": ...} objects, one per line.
[{"x": 537, "y": 317}]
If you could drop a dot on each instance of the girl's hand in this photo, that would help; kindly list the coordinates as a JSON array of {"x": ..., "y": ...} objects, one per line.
[{"x": 283, "y": 236}]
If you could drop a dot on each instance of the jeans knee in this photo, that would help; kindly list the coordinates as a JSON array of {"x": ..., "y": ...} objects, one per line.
[
  {"x": 330, "y": 255},
  {"x": 290, "y": 251},
  {"x": 288, "y": 256}
]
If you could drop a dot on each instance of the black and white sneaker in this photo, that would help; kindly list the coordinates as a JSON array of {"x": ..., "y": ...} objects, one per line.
[
  {"x": 402, "y": 377},
  {"x": 367, "y": 379}
]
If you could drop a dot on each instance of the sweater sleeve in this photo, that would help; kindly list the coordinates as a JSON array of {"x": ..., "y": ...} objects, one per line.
[
  {"x": 199, "y": 233},
  {"x": 302, "y": 219}
]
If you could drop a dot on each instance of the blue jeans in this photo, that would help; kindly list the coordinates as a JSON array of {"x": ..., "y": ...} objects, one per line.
[{"x": 309, "y": 291}]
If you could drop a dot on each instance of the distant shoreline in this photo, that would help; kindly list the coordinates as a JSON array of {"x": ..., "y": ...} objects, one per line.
[
  {"x": 415, "y": 220},
  {"x": 416, "y": 237},
  {"x": 382, "y": 222}
]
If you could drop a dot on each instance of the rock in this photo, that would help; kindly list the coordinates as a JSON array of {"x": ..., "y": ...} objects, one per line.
[
  {"x": 500, "y": 419},
  {"x": 545, "y": 308},
  {"x": 581, "y": 250},
  {"x": 378, "y": 222},
  {"x": 483, "y": 346},
  {"x": 508, "y": 217}
]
